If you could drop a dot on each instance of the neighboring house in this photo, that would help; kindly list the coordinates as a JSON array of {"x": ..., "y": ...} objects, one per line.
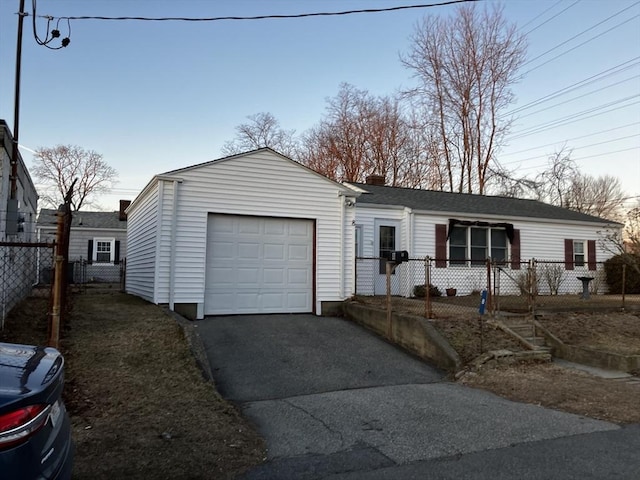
[
  {"x": 18, "y": 217},
  {"x": 97, "y": 240},
  {"x": 250, "y": 233},
  {"x": 459, "y": 231},
  {"x": 260, "y": 233}
]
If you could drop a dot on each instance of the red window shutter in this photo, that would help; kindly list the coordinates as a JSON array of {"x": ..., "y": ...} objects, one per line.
[
  {"x": 591, "y": 254},
  {"x": 441, "y": 246},
  {"x": 515, "y": 250},
  {"x": 568, "y": 254}
]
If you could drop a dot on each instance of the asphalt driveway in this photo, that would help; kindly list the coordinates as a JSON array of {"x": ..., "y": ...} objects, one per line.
[{"x": 331, "y": 398}]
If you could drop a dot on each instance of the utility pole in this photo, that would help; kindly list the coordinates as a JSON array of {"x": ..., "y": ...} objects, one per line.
[
  {"x": 16, "y": 105},
  {"x": 11, "y": 227}
]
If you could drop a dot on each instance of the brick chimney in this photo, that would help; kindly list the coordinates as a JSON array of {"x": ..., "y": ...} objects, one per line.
[
  {"x": 123, "y": 206},
  {"x": 376, "y": 180}
]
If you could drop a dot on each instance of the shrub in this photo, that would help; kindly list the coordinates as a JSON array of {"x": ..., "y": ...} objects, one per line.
[
  {"x": 419, "y": 291},
  {"x": 613, "y": 271}
]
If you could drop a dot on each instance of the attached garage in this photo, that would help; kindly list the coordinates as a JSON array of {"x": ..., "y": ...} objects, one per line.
[
  {"x": 258, "y": 265},
  {"x": 251, "y": 233}
]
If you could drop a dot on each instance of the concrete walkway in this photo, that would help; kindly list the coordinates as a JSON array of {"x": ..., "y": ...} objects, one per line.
[{"x": 334, "y": 401}]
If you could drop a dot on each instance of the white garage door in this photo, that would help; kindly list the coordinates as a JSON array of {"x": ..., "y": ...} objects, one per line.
[{"x": 258, "y": 265}]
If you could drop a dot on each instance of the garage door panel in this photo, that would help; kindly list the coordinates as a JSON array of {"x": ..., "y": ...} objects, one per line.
[
  {"x": 299, "y": 252},
  {"x": 224, "y": 249},
  {"x": 248, "y": 277},
  {"x": 274, "y": 277},
  {"x": 221, "y": 276},
  {"x": 274, "y": 252},
  {"x": 296, "y": 300},
  {"x": 298, "y": 276},
  {"x": 275, "y": 227},
  {"x": 248, "y": 251},
  {"x": 247, "y": 225},
  {"x": 258, "y": 265}
]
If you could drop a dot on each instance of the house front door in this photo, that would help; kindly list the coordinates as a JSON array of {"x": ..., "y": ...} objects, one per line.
[{"x": 387, "y": 240}]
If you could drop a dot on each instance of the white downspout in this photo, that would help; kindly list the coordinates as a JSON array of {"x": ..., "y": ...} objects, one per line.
[
  {"x": 159, "y": 224},
  {"x": 343, "y": 206},
  {"x": 172, "y": 248}
]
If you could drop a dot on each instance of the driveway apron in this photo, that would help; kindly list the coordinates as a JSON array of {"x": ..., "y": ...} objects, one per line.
[{"x": 330, "y": 397}]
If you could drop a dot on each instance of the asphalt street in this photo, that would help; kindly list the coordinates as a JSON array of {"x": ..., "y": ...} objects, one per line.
[{"x": 334, "y": 401}]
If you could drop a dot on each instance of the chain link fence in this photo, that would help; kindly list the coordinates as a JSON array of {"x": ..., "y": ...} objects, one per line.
[
  {"x": 25, "y": 270},
  {"x": 437, "y": 288}
]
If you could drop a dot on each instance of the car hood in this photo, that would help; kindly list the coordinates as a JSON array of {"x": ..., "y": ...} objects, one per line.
[{"x": 27, "y": 370}]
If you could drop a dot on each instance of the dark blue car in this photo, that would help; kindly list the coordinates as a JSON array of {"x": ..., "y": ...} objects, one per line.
[{"x": 35, "y": 432}]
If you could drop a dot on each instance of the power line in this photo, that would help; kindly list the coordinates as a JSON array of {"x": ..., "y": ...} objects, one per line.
[
  {"x": 539, "y": 15},
  {"x": 556, "y": 15},
  {"x": 582, "y": 44},
  {"x": 587, "y": 81},
  {"x": 599, "y": 90},
  {"x": 592, "y": 134},
  {"x": 585, "y": 158},
  {"x": 571, "y": 118},
  {"x": 581, "y": 33},
  {"x": 577, "y": 148},
  {"x": 267, "y": 17}
]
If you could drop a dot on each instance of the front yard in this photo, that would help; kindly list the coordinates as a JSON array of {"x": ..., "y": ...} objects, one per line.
[{"x": 141, "y": 408}]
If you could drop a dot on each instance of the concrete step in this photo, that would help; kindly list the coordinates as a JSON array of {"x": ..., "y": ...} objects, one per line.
[
  {"x": 523, "y": 330},
  {"x": 537, "y": 341}
]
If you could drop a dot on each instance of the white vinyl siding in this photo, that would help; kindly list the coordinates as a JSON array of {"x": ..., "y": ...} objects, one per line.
[{"x": 142, "y": 226}]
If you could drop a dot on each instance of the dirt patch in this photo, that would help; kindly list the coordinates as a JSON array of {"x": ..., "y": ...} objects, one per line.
[
  {"x": 472, "y": 337},
  {"x": 139, "y": 405},
  {"x": 561, "y": 388},
  {"x": 611, "y": 332}
]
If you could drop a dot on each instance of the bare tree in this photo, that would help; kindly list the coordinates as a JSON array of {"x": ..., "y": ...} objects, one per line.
[
  {"x": 554, "y": 184},
  {"x": 59, "y": 166},
  {"x": 599, "y": 196},
  {"x": 359, "y": 135},
  {"x": 262, "y": 130},
  {"x": 465, "y": 66}
]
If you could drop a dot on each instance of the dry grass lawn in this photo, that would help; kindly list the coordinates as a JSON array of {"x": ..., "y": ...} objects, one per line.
[{"x": 140, "y": 406}]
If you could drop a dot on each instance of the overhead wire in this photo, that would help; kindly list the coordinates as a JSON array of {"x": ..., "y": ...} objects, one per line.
[
  {"x": 587, "y": 81},
  {"x": 551, "y": 18},
  {"x": 269, "y": 16},
  {"x": 589, "y": 135},
  {"x": 599, "y": 90},
  {"x": 582, "y": 44},
  {"x": 581, "y": 33},
  {"x": 583, "y": 115}
]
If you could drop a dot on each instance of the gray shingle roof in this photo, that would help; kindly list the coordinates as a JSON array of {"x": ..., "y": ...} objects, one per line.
[
  {"x": 48, "y": 218},
  {"x": 465, "y": 203}
]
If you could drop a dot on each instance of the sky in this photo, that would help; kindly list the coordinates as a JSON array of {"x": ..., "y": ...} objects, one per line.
[{"x": 157, "y": 96}]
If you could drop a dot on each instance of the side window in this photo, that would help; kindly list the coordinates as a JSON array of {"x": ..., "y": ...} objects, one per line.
[
  {"x": 103, "y": 250},
  {"x": 478, "y": 246},
  {"x": 358, "y": 241},
  {"x": 458, "y": 246},
  {"x": 578, "y": 253},
  {"x": 387, "y": 245},
  {"x": 499, "y": 245}
]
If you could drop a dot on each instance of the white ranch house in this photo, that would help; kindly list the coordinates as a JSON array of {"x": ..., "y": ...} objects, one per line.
[
  {"x": 459, "y": 231},
  {"x": 260, "y": 233}
]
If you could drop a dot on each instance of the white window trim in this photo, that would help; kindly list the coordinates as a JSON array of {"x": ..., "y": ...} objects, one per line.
[
  {"x": 585, "y": 254},
  {"x": 112, "y": 248}
]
